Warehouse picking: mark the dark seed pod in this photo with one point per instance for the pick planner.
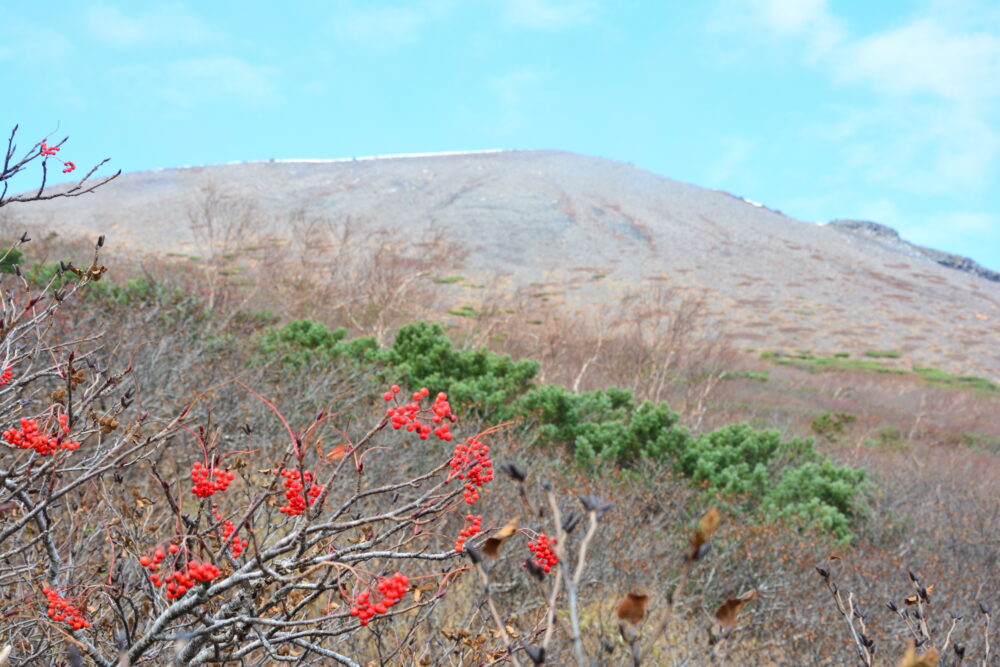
(534, 570)
(959, 650)
(594, 504)
(570, 522)
(891, 606)
(823, 573)
(984, 607)
(536, 653)
(473, 554)
(516, 472)
(914, 578)
(100, 241)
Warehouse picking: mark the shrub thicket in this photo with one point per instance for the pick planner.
(760, 474)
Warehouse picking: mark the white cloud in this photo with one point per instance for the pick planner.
(512, 91)
(931, 113)
(925, 57)
(381, 27)
(549, 14)
(161, 24)
(188, 83)
(792, 16)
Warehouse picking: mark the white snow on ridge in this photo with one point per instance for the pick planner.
(364, 158)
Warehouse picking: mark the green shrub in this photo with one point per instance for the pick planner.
(9, 259)
(744, 464)
(884, 354)
(302, 343)
(604, 425)
(481, 382)
(819, 494)
(830, 425)
(733, 460)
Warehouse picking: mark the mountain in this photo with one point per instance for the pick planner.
(584, 231)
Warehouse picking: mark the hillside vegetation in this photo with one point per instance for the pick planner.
(261, 457)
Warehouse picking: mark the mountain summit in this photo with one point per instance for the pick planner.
(586, 230)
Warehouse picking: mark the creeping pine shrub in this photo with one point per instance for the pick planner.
(820, 494)
(604, 425)
(786, 479)
(142, 290)
(9, 258)
(734, 460)
(770, 478)
(305, 343)
(486, 384)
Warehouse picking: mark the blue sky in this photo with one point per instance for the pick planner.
(887, 111)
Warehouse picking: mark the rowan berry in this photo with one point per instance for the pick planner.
(392, 590)
(475, 523)
(471, 462)
(30, 437)
(208, 481)
(542, 548)
(294, 485)
(62, 611)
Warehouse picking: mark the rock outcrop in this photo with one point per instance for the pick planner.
(888, 236)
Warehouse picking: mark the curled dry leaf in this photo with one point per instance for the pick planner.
(730, 609)
(632, 608)
(707, 526)
(418, 591)
(337, 453)
(493, 544)
(914, 599)
(929, 659)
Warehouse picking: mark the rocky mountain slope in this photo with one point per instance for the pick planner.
(583, 231)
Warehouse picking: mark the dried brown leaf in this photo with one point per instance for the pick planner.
(632, 608)
(707, 526)
(730, 609)
(929, 659)
(914, 599)
(493, 544)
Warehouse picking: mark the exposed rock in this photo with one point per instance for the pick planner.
(890, 237)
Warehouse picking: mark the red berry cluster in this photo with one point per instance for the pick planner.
(5, 376)
(228, 528)
(52, 150)
(207, 482)
(294, 485)
(181, 581)
(408, 415)
(29, 437)
(392, 589)
(545, 557)
(153, 564)
(475, 522)
(471, 462)
(61, 610)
